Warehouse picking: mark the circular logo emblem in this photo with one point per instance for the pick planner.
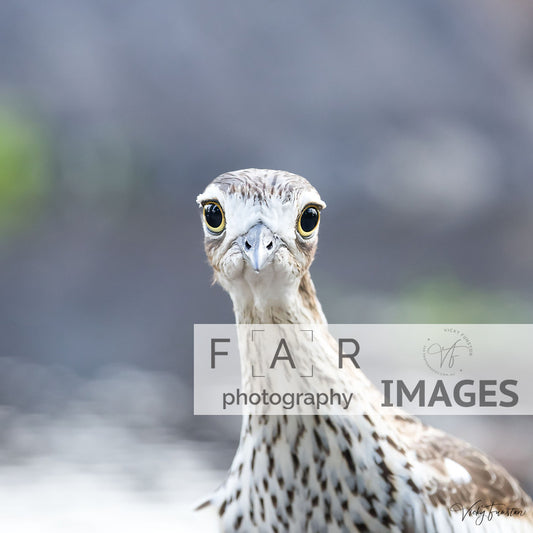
(445, 353)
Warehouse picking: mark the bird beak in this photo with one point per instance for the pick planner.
(258, 246)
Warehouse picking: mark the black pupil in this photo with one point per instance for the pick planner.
(309, 219)
(213, 215)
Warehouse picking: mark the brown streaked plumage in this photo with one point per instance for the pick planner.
(383, 471)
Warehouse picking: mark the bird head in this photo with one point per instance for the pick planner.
(260, 229)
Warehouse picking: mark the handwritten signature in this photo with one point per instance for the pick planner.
(447, 355)
(480, 511)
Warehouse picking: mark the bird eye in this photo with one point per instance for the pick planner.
(308, 221)
(214, 217)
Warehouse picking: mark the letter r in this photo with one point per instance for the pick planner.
(350, 356)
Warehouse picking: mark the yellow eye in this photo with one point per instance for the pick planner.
(308, 221)
(214, 217)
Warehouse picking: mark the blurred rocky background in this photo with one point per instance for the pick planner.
(413, 119)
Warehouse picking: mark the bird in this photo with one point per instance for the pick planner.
(380, 471)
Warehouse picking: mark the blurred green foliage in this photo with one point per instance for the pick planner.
(447, 300)
(24, 170)
(442, 299)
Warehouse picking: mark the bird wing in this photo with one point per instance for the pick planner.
(459, 475)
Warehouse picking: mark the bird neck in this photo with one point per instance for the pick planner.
(297, 304)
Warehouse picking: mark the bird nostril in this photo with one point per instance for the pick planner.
(269, 245)
(247, 245)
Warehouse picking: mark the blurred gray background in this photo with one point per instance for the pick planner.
(415, 122)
